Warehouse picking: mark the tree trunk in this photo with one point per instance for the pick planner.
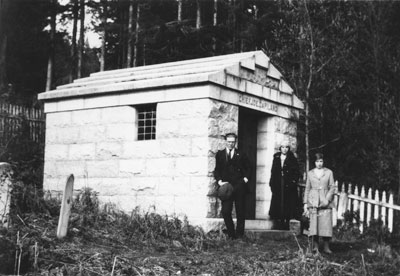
(2, 15)
(232, 23)
(256, 10)
(306, 100)
(3, 75)
(144, 54)
(198, 14)
(123, 38)
(179, 10)
(3, 45)
(215, 23)
(81, 37)
(240, 27)
(398, 172)
(50, 63)
(305, 24)
(130, 36)
(104, 35)
(137, 30)
(72, 73)
(121, 55)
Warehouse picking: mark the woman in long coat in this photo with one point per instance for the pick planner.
(284, 177)
(318, 202)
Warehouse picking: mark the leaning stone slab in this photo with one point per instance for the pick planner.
(5, 193)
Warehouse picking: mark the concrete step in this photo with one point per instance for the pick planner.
(210, 224)
(265, 229)
(257, 229)
(269, 234)
(259, 224)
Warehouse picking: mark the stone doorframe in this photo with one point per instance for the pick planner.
(271, 130)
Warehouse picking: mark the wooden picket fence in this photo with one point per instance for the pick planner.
(367, 203)
(14, 117)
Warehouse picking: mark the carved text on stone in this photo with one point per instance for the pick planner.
(259, 103)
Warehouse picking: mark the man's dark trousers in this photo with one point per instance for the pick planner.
(238, 197)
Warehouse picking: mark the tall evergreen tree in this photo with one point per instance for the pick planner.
(73, 63)
(81, 42)
(130, 35)
(3, 44)
(50, 69)
(104, 7)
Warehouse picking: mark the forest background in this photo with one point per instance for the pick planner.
(342, 59)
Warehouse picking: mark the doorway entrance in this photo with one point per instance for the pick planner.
(247, 143)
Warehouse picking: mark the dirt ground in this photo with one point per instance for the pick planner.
(107, 243)
(93, 251)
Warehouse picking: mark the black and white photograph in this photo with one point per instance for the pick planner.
(199, 137)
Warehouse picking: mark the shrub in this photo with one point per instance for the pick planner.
(376, 232)
(30, 199)
(348, 228)
(86, 205)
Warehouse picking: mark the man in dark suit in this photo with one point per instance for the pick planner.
(233, 167)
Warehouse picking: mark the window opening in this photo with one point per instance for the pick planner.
(147, 122)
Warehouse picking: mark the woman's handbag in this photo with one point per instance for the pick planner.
(304, 222)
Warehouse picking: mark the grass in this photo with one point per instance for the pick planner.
(106, 241)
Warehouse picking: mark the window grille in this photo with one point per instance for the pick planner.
(147, 122)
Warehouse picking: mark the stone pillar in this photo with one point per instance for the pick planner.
(266, 137)
(222, 119)
(271, 131)
(5, 193)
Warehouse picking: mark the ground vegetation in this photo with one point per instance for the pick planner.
(340, 57)
(102, 240)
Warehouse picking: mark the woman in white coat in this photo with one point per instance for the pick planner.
(318, 203)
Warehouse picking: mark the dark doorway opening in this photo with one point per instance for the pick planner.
(247, 142)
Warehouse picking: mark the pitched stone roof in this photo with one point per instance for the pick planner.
(249, 72)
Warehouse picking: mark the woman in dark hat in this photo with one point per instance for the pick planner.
(284, 178)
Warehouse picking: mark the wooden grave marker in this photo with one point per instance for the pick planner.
(66, 205)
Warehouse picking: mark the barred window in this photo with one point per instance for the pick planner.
(147, 122)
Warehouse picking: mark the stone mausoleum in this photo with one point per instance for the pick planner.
(146, 136)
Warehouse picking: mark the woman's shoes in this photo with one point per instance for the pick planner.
(327, 250)
(315, 247)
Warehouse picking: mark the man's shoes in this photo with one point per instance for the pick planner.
(242, 239)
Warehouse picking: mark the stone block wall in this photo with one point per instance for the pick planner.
(182, 131)
(91, 144)
(172, 174)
